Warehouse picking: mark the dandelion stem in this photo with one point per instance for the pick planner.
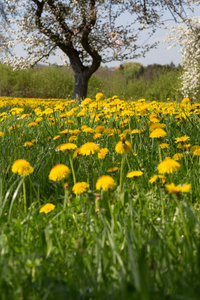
(159, 153)
(65, 197)
(24, 194)
(72, 167)
(121, 174)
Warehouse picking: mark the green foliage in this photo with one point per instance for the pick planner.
(130, 81)
(154, 82)
(40, 82)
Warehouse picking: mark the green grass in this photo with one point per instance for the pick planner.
(140, 243)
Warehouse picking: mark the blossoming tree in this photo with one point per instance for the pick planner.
(187, 35)
(88, 32)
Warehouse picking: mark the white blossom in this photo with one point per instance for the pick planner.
(187, 35)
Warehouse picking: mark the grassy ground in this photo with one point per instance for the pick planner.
(134, 237)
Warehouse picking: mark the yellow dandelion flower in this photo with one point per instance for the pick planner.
(102, 153)
(66, 146)
(157, 133)
(31, 124)
(195, 150)
(97, 135)
(65, 131)
(134, 131)
(75, 131)
(81, 114)
(112, 170)
(168, 165)
(99, 96)
(155, 177)
(99, 128)
(89, 148)
(164, 146)
(177, 156)
(134, 174)
(171, 188)
(185, 146)
(76, 153)
(185, 100)
(123, 147)
(72, 138)
(80, 188)
(70, 121)
(1, 134)
(56, 137)
(86, 101)
(105, 183)
(28, 144)
(181, 139)
(38, 120)
(153, 126)
(88, 130)
(59, 172)
(22, 167)
(48, 207)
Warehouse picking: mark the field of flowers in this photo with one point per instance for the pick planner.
(99, 199)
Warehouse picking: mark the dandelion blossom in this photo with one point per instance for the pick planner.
(195, 150)
(102, 153)
(66, 146)
(164, 146)
(76, 153)
(89, 148)
(59, 172)
(31, 124)
(22, 167)
(28, 144)
(157, 133)
(99, 96)
(112, 170)
(99, 128)
(80, 187)
(155, 177)
(168, 165)
(105, 183)
(134, 174)
(123, 147)
(97, 135)
(177, 156)
(47, 208)
(171, 188)
(181, 139)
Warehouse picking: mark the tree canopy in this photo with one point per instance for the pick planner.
(88, 32)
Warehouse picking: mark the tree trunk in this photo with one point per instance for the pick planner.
(80, 86)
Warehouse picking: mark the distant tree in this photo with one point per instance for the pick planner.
(88, 32)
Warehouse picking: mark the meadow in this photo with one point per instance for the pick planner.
(99, 199)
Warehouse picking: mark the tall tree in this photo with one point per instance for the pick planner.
(3, 20)
(88, 32)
